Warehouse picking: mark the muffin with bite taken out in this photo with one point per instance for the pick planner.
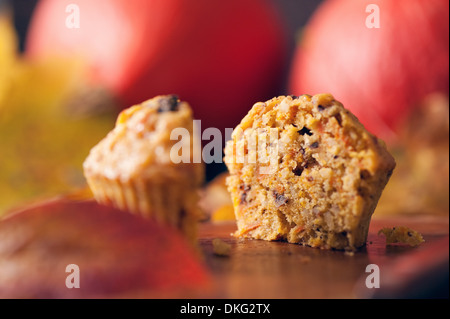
(305, 170)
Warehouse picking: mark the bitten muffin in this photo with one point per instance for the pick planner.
(305, 170)
(145, 165)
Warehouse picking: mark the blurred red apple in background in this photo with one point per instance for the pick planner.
(380, 72)
(118, 255)
(221, 56)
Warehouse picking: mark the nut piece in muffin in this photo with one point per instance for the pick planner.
(305, 170)
(134, 169)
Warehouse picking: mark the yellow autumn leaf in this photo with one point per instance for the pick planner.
(8, 54)
(44, 139)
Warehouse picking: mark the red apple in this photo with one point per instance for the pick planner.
(117, 254)
(380, 71)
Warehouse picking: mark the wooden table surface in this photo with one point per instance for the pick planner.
(261, 269)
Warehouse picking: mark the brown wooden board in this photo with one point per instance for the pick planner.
(262, 269)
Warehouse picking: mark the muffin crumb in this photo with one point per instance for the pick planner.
(401, 235)
(221, 248)
(305, 259)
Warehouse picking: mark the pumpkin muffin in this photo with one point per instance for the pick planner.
(137, 166)
(305, 170)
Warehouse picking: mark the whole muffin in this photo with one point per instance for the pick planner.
(305, 170)
(137, 167)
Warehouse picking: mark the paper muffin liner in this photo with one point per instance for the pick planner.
(167, 202)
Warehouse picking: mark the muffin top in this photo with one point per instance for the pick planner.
(140, 143)
(318, 122)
